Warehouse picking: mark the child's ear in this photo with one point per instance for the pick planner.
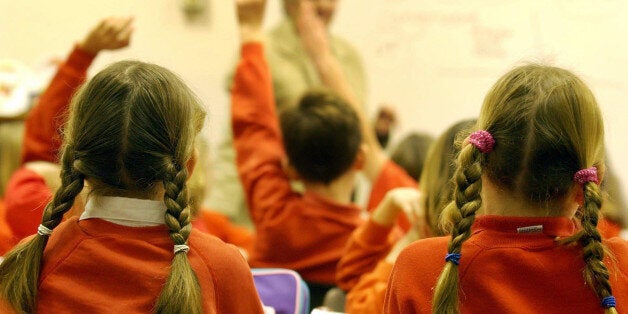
(360, 158)
(289, 170)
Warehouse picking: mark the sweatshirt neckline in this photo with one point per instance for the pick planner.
(549, 226)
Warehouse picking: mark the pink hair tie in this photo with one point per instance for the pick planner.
(586, 175)
(482, 140)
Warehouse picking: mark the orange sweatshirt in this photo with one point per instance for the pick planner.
(306, 233)
(365, 282)
(94, 266)
(362, 270)
(367, 245)
(504, 271)
(608, 228)
(391, 176)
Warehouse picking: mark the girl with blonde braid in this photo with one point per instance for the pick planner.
(130, 139)
(538, 156)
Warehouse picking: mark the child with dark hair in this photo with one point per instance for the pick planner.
(318, 141)
(536, 157)
(129, 141)
(322, 138)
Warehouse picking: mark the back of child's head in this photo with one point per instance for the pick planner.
(411, 152)
(539, 126)
(321, 135)
(131, 129)
(436, 185)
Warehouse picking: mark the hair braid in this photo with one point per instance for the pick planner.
(19, 272)
(178, 211)
(181, 293)
(595, 273)
(72, 182)
(467, 201)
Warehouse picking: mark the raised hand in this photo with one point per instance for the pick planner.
(406, 200)
(110, 34)
(250, 14)
(312, 30)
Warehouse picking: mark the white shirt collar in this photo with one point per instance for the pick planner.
(130, 212)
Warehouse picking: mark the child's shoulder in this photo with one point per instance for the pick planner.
(430, 244)
(212, 248)
(619, 249)
(223, 259)
(431, 251)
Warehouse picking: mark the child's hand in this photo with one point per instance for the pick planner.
(312, 30)
(399, 200)
(110, 34)
(250, 15)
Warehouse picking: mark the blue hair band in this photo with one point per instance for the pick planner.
(609, 302)
(453, 257)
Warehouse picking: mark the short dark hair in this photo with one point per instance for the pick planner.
(321, 135)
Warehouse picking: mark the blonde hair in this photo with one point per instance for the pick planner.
(547, 126)
(197, 183)
(438, 170)
(131, 127)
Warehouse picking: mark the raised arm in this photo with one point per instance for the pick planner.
(256, 134)
(372, 242)
(31, 186)
(315, 41)
(372, 250)
(42, 137)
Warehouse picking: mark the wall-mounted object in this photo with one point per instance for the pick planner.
(193, 7)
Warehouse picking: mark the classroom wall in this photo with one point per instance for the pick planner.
(432, 59)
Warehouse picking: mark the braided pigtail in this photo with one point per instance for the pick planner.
(467, 199)
(596, 274)
(182, 292)
(19, 272)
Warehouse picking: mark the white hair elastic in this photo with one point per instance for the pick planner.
(181, 248)
(43, 231)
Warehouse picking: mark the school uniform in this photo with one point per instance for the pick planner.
(509, 265)
(304, 232)
(608, 228)
(117, 256)
(390, 177)
(292, 73)
(363, 271)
